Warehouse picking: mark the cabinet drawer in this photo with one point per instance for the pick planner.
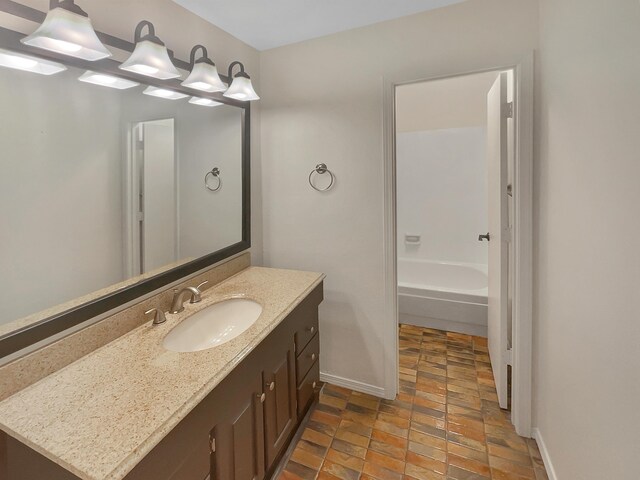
(308, 328)
(307, 358)
(307, 388)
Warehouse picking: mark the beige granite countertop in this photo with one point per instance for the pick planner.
(99, 416)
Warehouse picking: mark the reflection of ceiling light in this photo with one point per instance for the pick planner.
(204, 74)
(241, 88)
(150, 57)
(205, 102)
(19, 61)
(164, 93)
(67, 30)
(107, 80)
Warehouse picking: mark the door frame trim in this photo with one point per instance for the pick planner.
(522, 236)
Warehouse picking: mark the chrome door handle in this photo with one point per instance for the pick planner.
(271, 386)
(486, 237)
(262, 397)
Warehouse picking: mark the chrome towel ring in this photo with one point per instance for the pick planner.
(216, 174)
(321, 169)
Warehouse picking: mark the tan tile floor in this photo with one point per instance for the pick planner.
(445, 424)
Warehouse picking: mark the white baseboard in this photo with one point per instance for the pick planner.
(353, 385)
(551, 473)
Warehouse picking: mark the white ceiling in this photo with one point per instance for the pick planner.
(265, 24)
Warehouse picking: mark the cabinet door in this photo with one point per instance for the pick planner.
(237, 442)
(280, 404)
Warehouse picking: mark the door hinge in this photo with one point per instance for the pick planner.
(509, 110)
(212, 444)
(508, 357)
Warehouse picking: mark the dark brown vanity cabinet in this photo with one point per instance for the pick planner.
(280, 409)
(237, 441)
(239, 431)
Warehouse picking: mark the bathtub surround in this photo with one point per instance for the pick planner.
(441, 167)
(441, 191)
(307, 120)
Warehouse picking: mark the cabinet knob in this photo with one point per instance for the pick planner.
(314, 385)
(313, 356)
(312, 329)
(262, 397)
(271, 386)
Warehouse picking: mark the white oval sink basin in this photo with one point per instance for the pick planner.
(213, 326)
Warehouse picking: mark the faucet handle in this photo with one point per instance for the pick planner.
(195, 296)
(158, 316)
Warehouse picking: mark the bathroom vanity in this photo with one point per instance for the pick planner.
(133, 409)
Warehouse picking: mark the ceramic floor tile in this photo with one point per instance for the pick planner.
(445, 423)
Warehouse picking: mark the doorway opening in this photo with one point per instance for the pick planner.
(154, 205)
(458, 204)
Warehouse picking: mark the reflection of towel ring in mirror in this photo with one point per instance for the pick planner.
(215, 173)
(321, 169)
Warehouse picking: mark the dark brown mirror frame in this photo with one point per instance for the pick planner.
(31, 334)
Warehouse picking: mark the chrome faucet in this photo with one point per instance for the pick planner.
(177, 304)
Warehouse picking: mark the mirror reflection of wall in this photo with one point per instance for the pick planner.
(86, 183)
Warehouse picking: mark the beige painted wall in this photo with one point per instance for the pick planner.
(323, 103)
(180, 30)
(587, 189)
(440, 104)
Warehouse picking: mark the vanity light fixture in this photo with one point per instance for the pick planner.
(107, 80)
(240, 88)
(164, 93)
(204, 102)
(18, 61)
(204, 74)
(67, 30)
(150, 57)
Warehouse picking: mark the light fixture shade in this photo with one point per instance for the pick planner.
(151, 59)
(204, 102)
(68, 33)
(241, 89)
(204, 76)
(18, 61)
(107, 80)
(164, 93)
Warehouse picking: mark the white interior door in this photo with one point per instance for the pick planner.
(159, 211)
(497, 158)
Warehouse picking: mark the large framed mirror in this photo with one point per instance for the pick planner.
(108, 194)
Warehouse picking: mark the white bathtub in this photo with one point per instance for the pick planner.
(446, 296)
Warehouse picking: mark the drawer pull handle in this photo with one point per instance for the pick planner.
(271, 386)
(262, 397)
(313, 356)
(313, 385)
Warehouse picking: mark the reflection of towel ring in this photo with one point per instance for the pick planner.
(321, 169)
(215, 173)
